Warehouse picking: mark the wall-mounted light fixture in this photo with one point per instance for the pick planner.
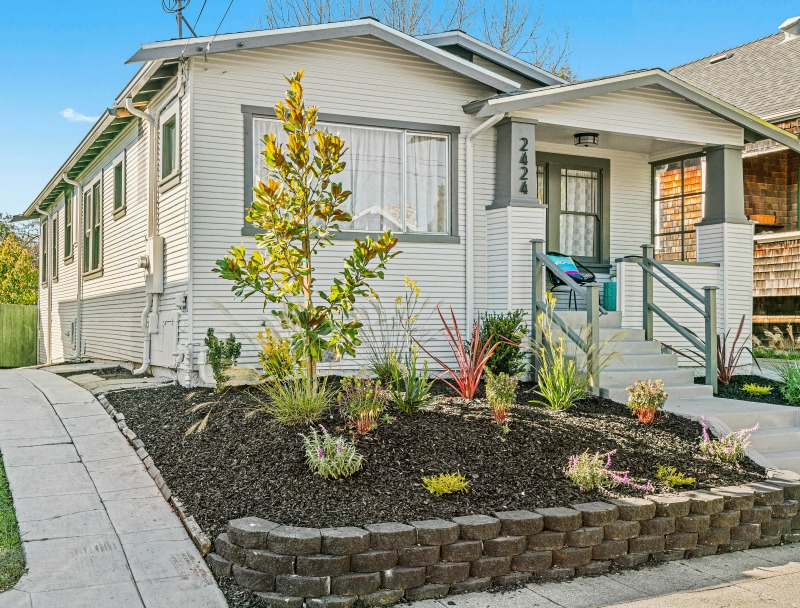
(586, 140)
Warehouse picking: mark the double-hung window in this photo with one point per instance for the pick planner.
(169, 147)
(399, 178)
(68, 224)
(93, 226)
(119, 187)
(44, 249)
(54, 249)
(678, 197)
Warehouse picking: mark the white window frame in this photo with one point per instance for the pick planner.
(69, 214)
(169, 181)
(88, 227)
(54, 248)
(406, 134)
(44, 246)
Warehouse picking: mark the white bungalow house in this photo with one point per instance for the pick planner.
(137, 216)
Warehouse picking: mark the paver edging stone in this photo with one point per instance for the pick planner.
(476, 551)
(193, 529)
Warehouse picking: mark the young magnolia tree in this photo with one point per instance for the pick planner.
(298, 213)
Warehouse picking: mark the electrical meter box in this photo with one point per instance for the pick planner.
(154, 282)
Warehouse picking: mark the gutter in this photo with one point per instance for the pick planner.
(470, 195)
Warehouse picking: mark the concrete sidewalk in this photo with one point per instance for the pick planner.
(95, 529)
(753, 578)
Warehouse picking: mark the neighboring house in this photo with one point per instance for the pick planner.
(763, 78)
(467, 152)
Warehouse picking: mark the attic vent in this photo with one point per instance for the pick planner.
(720, 58)
(790, 28)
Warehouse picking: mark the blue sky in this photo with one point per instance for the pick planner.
(62, 61)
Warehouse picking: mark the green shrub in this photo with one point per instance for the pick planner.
(791, 384)
(277, 359)
(509, 329)
(221, 356)
(361, 401)
(446, 483)
(500, 391)
(410, 386)
(757, 390)
(297, 400)
(671, 477)
(645, 398)
(331, 456)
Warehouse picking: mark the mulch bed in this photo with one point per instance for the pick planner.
(254, 466)
(734, 390)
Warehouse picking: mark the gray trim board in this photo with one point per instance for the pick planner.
(249, 112)
(208, 45)
(755, 128)
(472, 45)
(248, 230)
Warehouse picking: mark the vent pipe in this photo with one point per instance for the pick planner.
(790, 28)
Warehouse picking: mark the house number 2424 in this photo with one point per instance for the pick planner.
(523, 165)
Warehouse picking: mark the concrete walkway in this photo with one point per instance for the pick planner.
(95, 529)
(758, 577)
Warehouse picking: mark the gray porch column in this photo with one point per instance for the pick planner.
(515, 217)
(725, 237)
(724, 186)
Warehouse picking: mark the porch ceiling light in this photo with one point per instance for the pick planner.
(586, 140)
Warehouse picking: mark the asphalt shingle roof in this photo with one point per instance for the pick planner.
(761, 77)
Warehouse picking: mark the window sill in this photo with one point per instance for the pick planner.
(401, 238)
(92, 274)
(169, 182)
(118, 214)
(68, 260)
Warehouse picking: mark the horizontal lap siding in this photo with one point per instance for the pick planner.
(649, 111)
(356, 77)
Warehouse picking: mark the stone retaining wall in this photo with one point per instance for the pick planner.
(379, 564)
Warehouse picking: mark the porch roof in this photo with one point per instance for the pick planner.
(755, 129)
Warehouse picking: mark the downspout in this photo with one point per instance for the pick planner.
(47, 269)
(77, 207)
(470, 236)
(151, 305)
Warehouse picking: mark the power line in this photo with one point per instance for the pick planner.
(208, 48)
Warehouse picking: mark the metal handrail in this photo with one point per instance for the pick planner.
(590, 345)
(708, 311)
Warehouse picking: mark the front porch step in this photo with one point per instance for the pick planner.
(576, 318)
(630, 361)
(611, 335)
(776, 440)
(694, 391)
(787, 459)
(765, 418)
(622, 378)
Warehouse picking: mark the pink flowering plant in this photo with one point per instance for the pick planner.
(594, 472)
(331, 456)
(730, 447)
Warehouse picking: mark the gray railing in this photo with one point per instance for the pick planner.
(705, 304)
(590, 344)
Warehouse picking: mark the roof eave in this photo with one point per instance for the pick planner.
(518, 66)
(176, 49)
(754, 127)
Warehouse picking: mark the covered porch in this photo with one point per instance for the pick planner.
(599, 169)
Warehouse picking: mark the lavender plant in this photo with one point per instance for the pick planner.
(730, 447)
(593, 472)
(331, 456)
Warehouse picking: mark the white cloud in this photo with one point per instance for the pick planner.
(73, 116)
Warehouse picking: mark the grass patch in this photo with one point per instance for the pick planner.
(761, 352)
(12, 560)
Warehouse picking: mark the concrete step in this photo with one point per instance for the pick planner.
(621, 378)
(785, 459)
(766, 418)
(694, 391)
(576, 318)
(654, 362)
(776, 440)
(613, 335)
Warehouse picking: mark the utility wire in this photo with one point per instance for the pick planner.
(208, 47)
(196, 21)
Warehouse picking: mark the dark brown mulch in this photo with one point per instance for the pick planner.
(734, 389)
(254, 466)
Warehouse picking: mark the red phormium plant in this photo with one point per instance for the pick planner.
(727, 361)
(471, 357)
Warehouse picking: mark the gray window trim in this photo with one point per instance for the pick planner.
(250, 112)
(554, 210)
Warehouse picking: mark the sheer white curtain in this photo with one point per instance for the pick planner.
(426, 183)
(375, 168)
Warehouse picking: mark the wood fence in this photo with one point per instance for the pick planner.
(18, 339)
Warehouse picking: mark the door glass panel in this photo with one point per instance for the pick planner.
(580, 203)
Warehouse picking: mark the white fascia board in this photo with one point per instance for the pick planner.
(492, 54)
(755, 128)
(176, 49)
(105, 120)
